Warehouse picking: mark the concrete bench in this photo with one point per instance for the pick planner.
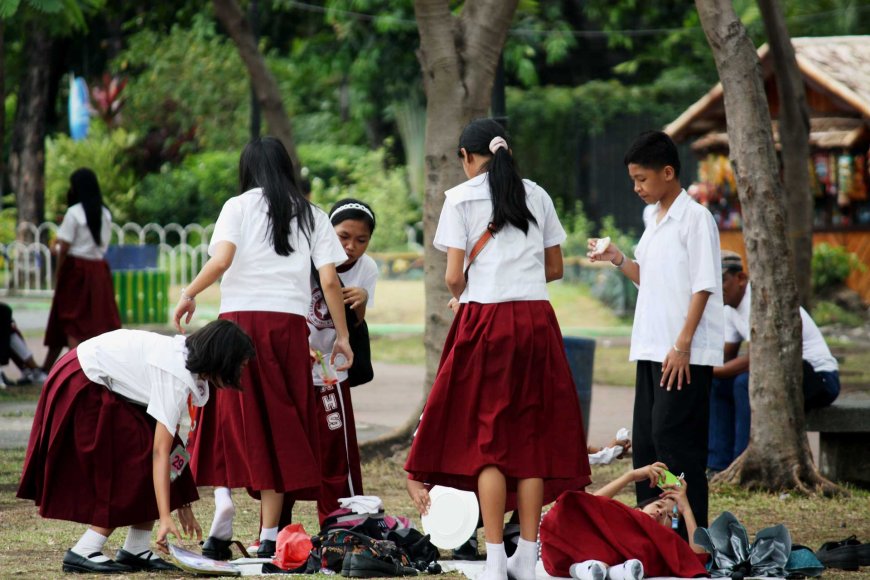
(844, 440)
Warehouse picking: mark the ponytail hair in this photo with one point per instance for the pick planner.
(488, 137)
(265, 164)
(85, 189)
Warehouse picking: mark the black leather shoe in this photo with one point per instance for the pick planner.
(75, 563)
(217, 549)
(144, 561)
(365, 565)
(266, 549)
(467, 551)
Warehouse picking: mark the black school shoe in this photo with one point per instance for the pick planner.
(467, 551)
(266, 549)
(846, 554)
(146, 561)
(217, 549)
(365, 565)
(77, 564)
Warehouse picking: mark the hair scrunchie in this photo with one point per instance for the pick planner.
(496, 144)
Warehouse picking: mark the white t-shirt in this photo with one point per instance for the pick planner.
(511, 266)
(144, 368)
(363, 274)
(74, 230)
(259, 279)
(679, 257)
(814, 349)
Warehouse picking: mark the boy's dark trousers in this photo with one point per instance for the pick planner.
(672, 427)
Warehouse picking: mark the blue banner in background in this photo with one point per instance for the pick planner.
(79, 108)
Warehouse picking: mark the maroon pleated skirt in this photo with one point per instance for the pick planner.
(84, 304)
(584, 527)
(266, 436)
(503, 396)
(89, 459)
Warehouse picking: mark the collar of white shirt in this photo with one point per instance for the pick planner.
(678, 208)
(475, 188)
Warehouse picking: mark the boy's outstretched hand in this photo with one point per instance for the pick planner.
(607, 254)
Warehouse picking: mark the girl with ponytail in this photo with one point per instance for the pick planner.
(503, 417)
(83, 305)
(265, 437)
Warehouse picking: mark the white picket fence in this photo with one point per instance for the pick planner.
(27, 268)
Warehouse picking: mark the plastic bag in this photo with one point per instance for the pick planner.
(292, 548)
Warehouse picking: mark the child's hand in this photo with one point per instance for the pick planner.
(354, 296)
(166, 527)
(342, 346)
(189, 524)
(453, 305)
(187, 307)
(678, 494)
(651, 472)
(419, 495)
(624, 443)
(675, 369)
(608, 254)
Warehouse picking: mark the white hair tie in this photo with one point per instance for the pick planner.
(496, 144)
(348, 206)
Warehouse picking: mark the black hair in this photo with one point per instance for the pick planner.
(505, 184)
(653, 150)
(218, 350)
(85, 189)
(352, 213)
(265, 164)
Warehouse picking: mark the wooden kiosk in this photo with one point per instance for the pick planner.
(836, 72)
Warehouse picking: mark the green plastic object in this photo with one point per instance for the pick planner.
(668, 478)
(142, 296)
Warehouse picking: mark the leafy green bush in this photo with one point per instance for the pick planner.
(826, 313)
(103, 151)
(337, 171)
(832, 265)
(190, 78)
(193, 192)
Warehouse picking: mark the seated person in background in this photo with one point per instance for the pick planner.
(12, 346)
(729, 395)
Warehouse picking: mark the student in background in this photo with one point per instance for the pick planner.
(677, 334)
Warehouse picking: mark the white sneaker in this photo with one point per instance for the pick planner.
(588, 570)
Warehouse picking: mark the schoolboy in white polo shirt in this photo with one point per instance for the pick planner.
(677, 336)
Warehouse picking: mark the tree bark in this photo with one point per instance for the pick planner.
(778, 455)
(794, 139)
(263, 82)
(458, 57)
(27, 155)
(2, 110)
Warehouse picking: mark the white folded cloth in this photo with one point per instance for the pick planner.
(608, 454)
(362, 504)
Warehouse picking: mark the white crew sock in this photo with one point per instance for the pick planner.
(629, 570)
(269, 534)
(138, 541)
(589, 570)
(521, 566)
(89, 543)
(19, 347)
(224, 512)
(496, 563)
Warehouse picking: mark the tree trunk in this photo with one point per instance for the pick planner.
(27, 156)
(2, 111)
(458, 57)
(264, 84)
(778, 455)
(794, 135)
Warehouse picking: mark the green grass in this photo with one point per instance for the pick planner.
(31, 547)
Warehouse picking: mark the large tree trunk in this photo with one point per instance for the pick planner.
(2, 110)
(264, 84)
(779, 454)
(27, 156)
(794, 133)
(458, 57)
